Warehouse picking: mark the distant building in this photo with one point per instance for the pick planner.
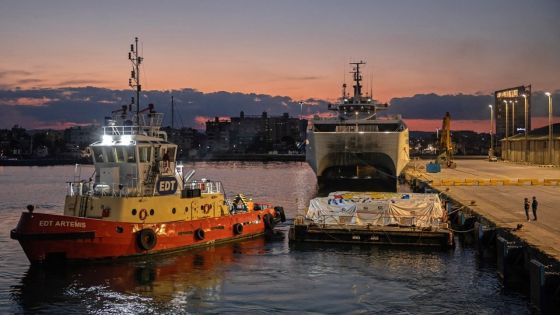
(81, 136)
(255, 134)
(188, 141)
(514, 100)
(539, 147)
(15, 142)
(217, 135)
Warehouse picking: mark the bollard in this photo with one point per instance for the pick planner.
(537, 278)
(544, 288)
(510, 262)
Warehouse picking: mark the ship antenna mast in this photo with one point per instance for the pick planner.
(134, 81)
(357, 79)
(344, 84)
(371, 86)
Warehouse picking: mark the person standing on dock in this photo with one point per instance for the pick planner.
(534, 205)
(526, 204)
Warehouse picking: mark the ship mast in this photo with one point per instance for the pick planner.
(357, 79)
(134, 81)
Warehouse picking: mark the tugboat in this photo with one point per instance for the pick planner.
(139, 201)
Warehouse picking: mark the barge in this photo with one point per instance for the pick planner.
(375, 218)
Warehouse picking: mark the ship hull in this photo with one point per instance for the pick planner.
(370, 160)
(46, 237)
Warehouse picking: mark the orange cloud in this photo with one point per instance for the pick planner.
(27, 101)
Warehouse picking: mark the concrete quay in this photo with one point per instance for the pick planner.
(493, 190)
(491, 195)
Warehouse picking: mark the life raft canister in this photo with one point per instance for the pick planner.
(146, 239)
(237, 228)
(199, 234)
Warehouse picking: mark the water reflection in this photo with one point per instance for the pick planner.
(178, 280)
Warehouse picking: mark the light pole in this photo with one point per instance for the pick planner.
(491, 151)
(526, 127)
(549, 126)
(512, 117)
(507, 127)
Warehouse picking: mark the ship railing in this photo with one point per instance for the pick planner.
(206, 186)
(153, 120)
(84, 188)
(115, 190)
(120, 130)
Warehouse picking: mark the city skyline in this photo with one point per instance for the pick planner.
(299, 50)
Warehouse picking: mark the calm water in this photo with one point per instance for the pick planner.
(254, 276)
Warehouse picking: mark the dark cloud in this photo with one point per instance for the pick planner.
(79, 82)
(7, 73)
(460, 106)
(433, 106)
(91, 104)
(306, 78)
(28, 81)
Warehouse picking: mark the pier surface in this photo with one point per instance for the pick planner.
(496, 190)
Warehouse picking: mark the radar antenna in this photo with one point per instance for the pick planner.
(134, 81)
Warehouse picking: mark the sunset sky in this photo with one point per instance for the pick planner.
(299, 49)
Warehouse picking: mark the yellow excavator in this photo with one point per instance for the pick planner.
(445, 158)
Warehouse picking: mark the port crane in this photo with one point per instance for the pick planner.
(445, 158)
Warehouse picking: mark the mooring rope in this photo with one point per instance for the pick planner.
(465, 231)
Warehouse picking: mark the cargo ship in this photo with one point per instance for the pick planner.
(139, 201)
(356, 148)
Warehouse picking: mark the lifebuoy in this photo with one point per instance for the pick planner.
(143, 214)
(237, 228)
(199, 234)
(280, 213)
(268, 222)
(146, 239)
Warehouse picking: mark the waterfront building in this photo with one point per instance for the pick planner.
(217, 135)
(81, 136)
(534, 148)
(255, 133)
(513, 102)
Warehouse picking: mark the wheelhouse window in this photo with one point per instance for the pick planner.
(170, 154)
(130, 154)
(119, 154)
(98, 155)
(145, 154)
(108, 152)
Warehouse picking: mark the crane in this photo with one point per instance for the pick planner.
(445, 158)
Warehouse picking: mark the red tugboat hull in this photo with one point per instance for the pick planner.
(46, 237)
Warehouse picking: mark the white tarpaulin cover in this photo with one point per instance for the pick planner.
(373, 208)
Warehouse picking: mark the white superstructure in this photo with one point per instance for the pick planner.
(356, 144)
